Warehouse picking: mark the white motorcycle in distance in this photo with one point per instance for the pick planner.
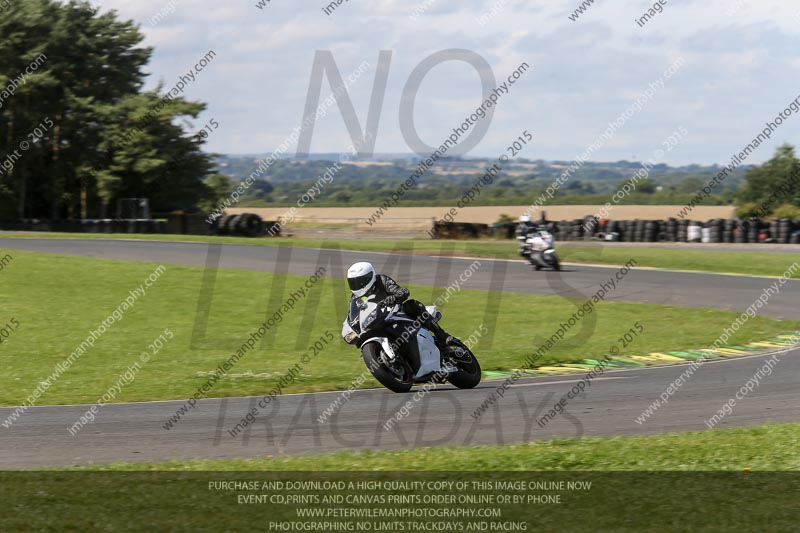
(537, 248)
(400, 353)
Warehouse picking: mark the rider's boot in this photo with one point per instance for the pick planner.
(442, 337)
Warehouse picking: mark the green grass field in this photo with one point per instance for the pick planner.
(734, 262)
(58, 300)
(721, 480)
(769, 447)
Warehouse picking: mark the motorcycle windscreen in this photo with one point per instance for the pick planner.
(353, 313)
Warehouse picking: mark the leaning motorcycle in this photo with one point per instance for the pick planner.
(538, 249)
(400, 352)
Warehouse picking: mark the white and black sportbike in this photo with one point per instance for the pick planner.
(400, 352)
(537, 248)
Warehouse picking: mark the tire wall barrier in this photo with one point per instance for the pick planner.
(243, 225)
(463, 230)
(87, 225)
(751, 230)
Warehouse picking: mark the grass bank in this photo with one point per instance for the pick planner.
(770, 447)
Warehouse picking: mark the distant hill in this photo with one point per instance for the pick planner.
(369, 182)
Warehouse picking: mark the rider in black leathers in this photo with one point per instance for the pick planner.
(387, 291)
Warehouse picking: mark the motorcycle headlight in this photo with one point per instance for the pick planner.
(370, 318)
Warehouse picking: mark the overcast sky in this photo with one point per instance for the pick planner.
(741, 69)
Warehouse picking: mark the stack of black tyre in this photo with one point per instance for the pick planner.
(718, 230)
(781, 230)
(742, 231)
(242, 225)
(615, 226)
(652, 230)
(716, 227)
(682, 229)
(627, 230)
(729, 230)
(578, 229)
(753, 230)
(637, 230)
(794, 237)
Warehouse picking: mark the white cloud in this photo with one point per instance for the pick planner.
(741, 70)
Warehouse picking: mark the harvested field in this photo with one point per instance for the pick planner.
(421, 217)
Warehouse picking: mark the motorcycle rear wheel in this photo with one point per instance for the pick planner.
(469, 371)
(396, 378)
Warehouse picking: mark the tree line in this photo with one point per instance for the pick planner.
(80, 132)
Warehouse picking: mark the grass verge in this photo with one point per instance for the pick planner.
(673, 482)
(768, 447)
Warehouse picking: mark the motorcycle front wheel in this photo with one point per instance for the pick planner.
(396, 377)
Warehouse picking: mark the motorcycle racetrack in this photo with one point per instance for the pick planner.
(612, 403)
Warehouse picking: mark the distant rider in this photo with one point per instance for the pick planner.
(526, 226)
(364, 283)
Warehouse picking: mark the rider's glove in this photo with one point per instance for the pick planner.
(389, 301)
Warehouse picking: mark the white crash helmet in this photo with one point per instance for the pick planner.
(361, 277)
(525, 218)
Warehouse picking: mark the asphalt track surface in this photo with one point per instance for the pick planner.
(290, 425)
(134, 432)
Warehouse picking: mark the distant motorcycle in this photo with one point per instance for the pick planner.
(537, 248)
(400, 353)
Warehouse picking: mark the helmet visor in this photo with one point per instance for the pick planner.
(358, 283)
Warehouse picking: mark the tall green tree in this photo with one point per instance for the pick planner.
(775, 183)
(87, 98)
